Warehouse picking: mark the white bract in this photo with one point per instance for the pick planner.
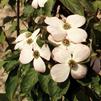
(26, 39)
(69, 61)
(28, 54)
(66, 29)
(40, 3)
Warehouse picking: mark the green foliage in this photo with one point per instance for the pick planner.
(2, 37)
(10, 65)
(28, 81)
(95, 85)
(48, 7)
(74, 6)
(40, 41)
(24, 81)
(13, 26)
(11, 87)
(97, 26)
(2, 62)
(44, 80)
(75, 99)
(52, 88)
(97, 4)
(28, 11)
(4, 2)
(87, 6)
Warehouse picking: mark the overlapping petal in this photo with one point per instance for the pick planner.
(61, 55)
(39, 65)
(52, 41)
(54, 21)
(77, 35)
(80, 52)
(76, 20)
(26, 55)
(60, 72)
(45, 52)
(55, 28)
(79, 72)
(35, 33)
(21, 37)
(58, 34)
(19, 45)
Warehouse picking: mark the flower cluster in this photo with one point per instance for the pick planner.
(30, 50)
(69, 52)
(66, 36)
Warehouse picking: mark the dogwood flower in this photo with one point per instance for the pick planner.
(69, 61)
(69, 28)
(68, 40)
(26, 39)
(36, 54)
(40, 3)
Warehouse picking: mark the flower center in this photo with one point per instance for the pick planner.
(36, 54)
(72, 64)
(29, 41)
(66, 26)
(28, 34)
(66, 42)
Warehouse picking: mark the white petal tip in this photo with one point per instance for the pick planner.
(39, 65)
(79, 72)
(60, 72)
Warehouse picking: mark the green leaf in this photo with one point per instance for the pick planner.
(23, 69)
(97, 26)
(44, 80)
(96, 86)
(10, 65)
(13, 26)
(52, 88)
(11, 87)
(74, 6)
(4, 2)
(2, 37)
(28, 82)
(58, 90)
(75, 99)
(48, 7)
(28, 11)
(40, 41)
(87, 5)
(12, 56)
(2, 62)
(97, 4)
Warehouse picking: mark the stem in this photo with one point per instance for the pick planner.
(18, 17)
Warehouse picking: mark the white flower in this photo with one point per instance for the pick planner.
(69, 61)
(27, 55)
(70, 28)
(26, 39)
(40, 3)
